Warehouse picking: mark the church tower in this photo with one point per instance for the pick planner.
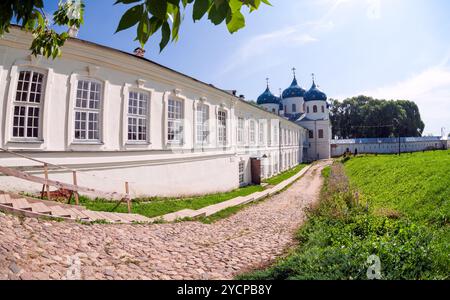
(269, 101)
(317, 120)
(293, 99)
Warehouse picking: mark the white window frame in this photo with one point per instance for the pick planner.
(175, 115)
(37, 65)
(27, 106)
(241, 130)
(261, 131)
(138, 116)
(252, 132)
(88, 111)
(222, 127)
(202, 123)
(241, 169)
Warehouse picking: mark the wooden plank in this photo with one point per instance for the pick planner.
(5, 199)
(58, 184)
(21, 204)
(40, 208)
(58, 211)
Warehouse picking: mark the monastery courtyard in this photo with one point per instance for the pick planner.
(39, 249)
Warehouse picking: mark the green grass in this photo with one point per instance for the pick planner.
(154, 207)
(393, 207)
(285, 175)
(416, 185)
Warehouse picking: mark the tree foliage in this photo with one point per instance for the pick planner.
(148, 16)
(365, 117)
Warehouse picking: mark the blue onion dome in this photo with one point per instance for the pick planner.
(314, 94)
(294, 90)
(267, 98)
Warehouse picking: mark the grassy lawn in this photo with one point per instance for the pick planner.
(394, 207)
(285, 175)
(154, 207)
(160, 206)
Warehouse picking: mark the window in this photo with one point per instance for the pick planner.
(87, 111)
(294, 108)
(314, 108)
(274, 110)
(137, 116)
(311, 134)
(241, 172)
(275, 135)
(222, 126)
(261, 133)
(202, 119)
(175, 121)
(320, 133)
(307, 109)
(28, 105)
(304, 107)
(240, 130)
(252, 132)
(323, 108)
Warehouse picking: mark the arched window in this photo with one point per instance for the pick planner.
(307, 109)
(304, 107)
(28, 105)
(202, 119)
(323, 109)
(87, 110)
(314, 108)
(294, 108)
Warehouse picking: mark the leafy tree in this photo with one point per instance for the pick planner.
(150, 16)
(365, 117)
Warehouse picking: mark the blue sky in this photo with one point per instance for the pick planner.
(383, 48)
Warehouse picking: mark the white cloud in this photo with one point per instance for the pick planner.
(429, 89)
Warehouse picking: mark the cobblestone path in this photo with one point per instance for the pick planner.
(40, 249)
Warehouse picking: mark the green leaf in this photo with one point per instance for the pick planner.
(217, 14)
(157, 8)
(200, 9)
(131, 17)
(235, 22)
(165, 36)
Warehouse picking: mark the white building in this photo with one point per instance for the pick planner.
(310, 110)
(116, 117)
(388, 145)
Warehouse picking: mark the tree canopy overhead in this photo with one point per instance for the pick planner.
(366, 117)
(148, 16)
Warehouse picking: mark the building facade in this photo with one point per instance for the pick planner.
(308, 109)
(115, 117)
(388, 145)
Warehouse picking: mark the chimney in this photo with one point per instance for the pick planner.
(73, 31)
(139, 52)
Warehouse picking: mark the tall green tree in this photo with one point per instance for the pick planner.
(366, 117)
(148, 16)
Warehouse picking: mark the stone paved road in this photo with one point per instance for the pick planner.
(39, 249)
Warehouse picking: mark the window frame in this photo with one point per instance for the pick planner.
(88, 111)
(240, 130)
(180, 120)
(27, 105)
(222, 127)
(146, 117)
(205, 123)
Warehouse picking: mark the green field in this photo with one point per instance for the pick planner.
(394, 207)
(154, 207)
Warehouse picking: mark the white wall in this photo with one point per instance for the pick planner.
(338, 149)
(152, 168)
